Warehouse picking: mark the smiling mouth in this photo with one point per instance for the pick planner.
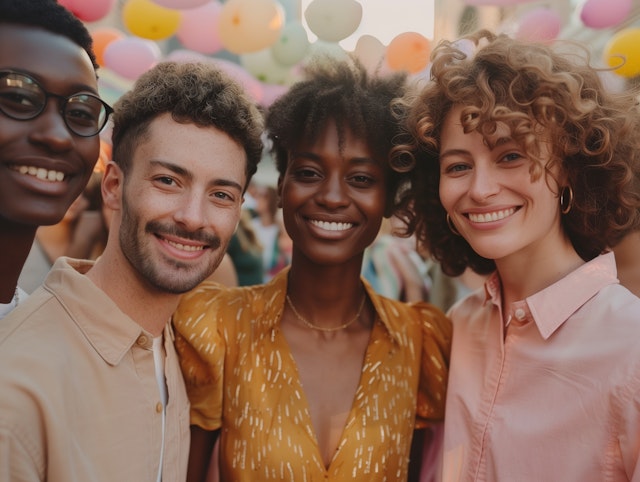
(185, 247)
(331, 226)
(41, 173)
(490, 217)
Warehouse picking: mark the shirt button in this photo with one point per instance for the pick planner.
(159, 407)
(520, 314)
(142, 340)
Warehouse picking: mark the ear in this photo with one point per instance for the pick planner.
(279, 188)
(112, 186)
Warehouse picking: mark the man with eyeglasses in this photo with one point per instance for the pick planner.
(50, 117)
(90, 384)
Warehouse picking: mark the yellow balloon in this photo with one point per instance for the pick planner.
(148, 20)
(622, 52)
(246, 26)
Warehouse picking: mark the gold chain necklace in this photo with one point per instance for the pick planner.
(321, 328)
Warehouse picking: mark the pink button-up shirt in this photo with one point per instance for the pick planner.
(555, 394)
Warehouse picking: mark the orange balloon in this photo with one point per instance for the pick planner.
(408, 51)
(101, 38)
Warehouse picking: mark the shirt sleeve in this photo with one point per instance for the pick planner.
(201, 348)
(436, 350)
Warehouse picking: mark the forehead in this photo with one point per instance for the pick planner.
(207, 152)
(54, 60)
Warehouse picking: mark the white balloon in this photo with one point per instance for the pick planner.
(370, 51)
(292, 45)
(333, 20)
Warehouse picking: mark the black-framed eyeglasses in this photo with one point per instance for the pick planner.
(23, 98)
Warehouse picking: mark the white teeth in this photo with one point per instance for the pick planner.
(327, 226)
(40, 173)
(489, 217)
(184, 247)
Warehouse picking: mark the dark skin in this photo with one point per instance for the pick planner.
(333, 203)
(26, 202)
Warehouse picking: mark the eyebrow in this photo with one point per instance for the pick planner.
(314, 157)
(454, 152)
(181, 171)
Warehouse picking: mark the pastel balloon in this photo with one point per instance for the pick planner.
(370, 52)
(250, 25)
(605, 13)
(333, 20)
(539, 25)
(264, 67)
(180, 4)
(292, 45)
(408, 51)
(320, 48)
(88, 10)
(244, 78)
(145, 19)
(232, 69)
(271, 92)
(130, 57)
(103, 37)
(622, 52)
(198, 29)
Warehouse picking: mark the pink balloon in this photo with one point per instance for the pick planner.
(250, 84)
(89, 10)
(198, 29)
(130, 57)
(180, 4)
(605, 13)
(270, 92)
(539, 25)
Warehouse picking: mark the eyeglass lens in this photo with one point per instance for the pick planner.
(22, 98)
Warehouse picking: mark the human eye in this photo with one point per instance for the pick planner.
(83, 110)
(362, 180)
(455, 168)
(305, 174)
(19, 100)
(164, 180)
(512, 158)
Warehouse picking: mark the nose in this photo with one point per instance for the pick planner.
(51, 130)
(484, 184)
(332, 193)
(190, 212)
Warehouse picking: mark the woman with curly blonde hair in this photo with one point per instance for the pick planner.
(527, 169)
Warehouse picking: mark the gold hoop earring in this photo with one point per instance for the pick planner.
(565, 207)
(452, 227)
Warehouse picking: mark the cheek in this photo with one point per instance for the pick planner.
(89, 150)
(447, 194)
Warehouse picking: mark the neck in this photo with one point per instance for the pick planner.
(325, 295)
(526, 275)
(147, 306)
(15, 244)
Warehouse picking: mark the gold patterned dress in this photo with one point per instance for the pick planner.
(242, 378)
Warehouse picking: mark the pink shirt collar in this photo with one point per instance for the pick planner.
(552, 306)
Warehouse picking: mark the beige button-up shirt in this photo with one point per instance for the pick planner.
(79, 399)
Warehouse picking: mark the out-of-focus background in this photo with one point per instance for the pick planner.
(265, 43)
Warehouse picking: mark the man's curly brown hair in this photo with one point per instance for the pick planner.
(197, 93)
(531, 88)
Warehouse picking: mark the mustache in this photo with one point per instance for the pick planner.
(156, 227)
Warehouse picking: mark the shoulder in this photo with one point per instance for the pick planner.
(424, 316)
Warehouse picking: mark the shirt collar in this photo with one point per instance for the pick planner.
(111, 332)
(552, 306)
